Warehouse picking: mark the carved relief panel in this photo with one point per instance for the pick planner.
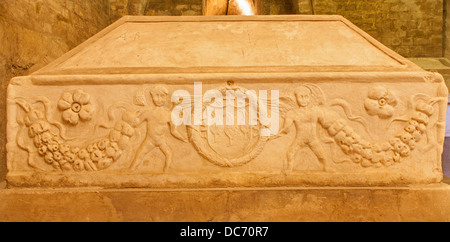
(384, 133)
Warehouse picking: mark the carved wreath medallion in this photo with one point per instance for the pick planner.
(228, 145)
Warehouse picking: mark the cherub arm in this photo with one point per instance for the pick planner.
(174, 131)
(287, 112)
(288, 121)
(141, 116)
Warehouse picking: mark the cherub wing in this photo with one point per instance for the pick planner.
(317, 94)
(286, 104)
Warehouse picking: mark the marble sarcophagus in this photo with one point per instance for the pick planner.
(227, 101)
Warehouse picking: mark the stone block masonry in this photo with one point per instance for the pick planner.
(119, 8)
(413, 28)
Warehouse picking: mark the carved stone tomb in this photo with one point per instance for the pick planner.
(261, 101)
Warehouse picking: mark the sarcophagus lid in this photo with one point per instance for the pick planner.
(227, 101)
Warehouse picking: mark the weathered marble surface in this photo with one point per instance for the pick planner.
(352, 112)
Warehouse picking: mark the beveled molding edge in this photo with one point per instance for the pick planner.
(189, 78)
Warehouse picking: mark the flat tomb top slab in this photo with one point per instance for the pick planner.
(229, 44)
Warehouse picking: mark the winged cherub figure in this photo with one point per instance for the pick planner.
(305, 116)
(158, 119)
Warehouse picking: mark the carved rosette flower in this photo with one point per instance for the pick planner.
(75, 106)
(380, 102)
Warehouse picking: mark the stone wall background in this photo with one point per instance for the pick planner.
(413, 28)
(36, 32)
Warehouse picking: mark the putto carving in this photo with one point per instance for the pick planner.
(305, 116)
(380, 102)
(75, 106)
(158, 120)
